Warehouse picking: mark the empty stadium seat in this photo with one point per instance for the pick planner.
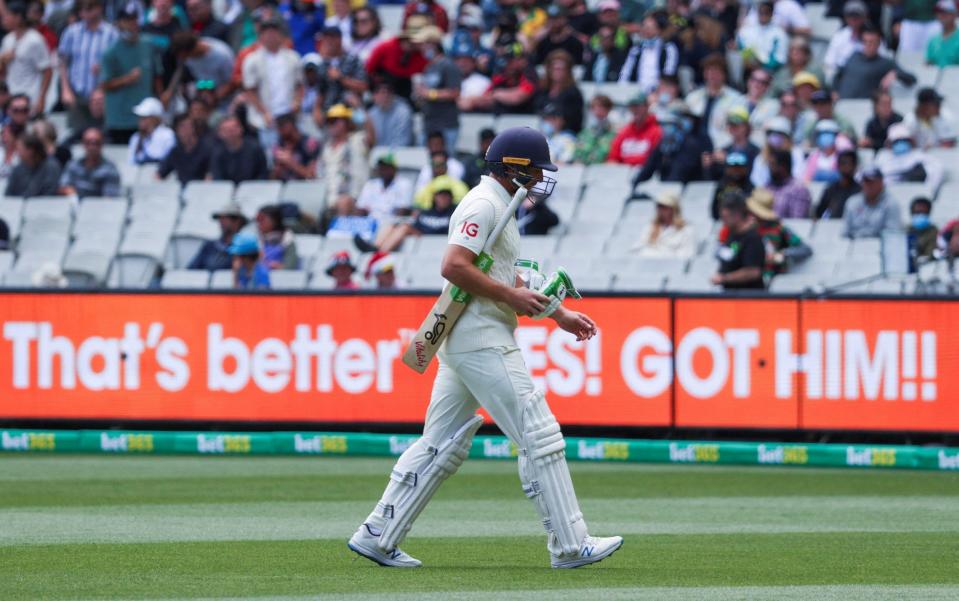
(638, 282)
(253, 194)
(11, 211)
(507, 121)
(160, 190)
(207, 196)
(310, 196)
(186, 279)
(407, 157)
(87, 268)
(282, 279)
(308, 248)
(221, 279)
(471, 124)
(794, 283)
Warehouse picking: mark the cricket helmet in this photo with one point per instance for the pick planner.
(515, 153)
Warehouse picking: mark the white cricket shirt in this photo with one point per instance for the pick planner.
(485, 323)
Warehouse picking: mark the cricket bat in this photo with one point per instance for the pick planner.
(452, 302)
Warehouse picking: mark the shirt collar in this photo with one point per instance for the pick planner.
(498, 188)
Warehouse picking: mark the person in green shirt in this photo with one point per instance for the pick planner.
(129, 73)
(943, 48)
(592, 144)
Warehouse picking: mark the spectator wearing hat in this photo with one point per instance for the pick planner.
(25, 62)
(712, 101)
(637, 140)
(738, 126)
(207, 59)
(367, 32)
(605, 57)
(778, 138)
(931, 125)
(792, 199)
(153, 140)
(81, 49)
(872, 211)
(787, 14)
(832, 203)
(382, 267)
(386, 196)
(866, 70)
(191, 155)
(272, 81)
(559, 35)
(468, 35)
(390, 118)
(805, 84)
(668, 235)
(438, 89)
(37, 173)
(130, 74)
(423, 197)
(759, 106)
(214, 254)
(398, 59)
(822, 163)
(295, 154)
(847, 40)
(561, 140)
(341, 269)
(823, 105)
(742, 255)
(918, 25)
(734, 177)
(678, 156)
(249, 273)
(558, 88)
(473, 83)
(594, 141)
(783, 247)
(883, 117)
(304, 20)
(341, 76)
(237, 158)
(93, 175)
(903, 161)
(922, 234)
(763, 44)
(652, 57)
(798, 61)
(343, 163)
(205, 24)
(276, 240)
(943, 48)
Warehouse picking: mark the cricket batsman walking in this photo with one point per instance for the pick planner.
(481, 366)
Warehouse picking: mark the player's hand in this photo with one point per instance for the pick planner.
(527, 302)
(576, 323)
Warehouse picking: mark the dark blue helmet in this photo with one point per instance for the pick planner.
(515, 152)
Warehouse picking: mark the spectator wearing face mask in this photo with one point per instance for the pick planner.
(823, 106)
(903, 161)
(832, 203)
(677, 158)
(777, 139)
(877, 128)
(822, 164)
(922, 233)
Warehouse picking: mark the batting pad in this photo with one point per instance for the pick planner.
(546, 480)
(416, 488)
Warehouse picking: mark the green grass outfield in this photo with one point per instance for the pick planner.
(168, 527)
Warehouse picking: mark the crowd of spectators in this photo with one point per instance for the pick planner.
(728, 91)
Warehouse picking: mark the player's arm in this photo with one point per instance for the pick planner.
(574, 322)
(459, 270)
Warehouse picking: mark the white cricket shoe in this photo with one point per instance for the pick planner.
(363, 542)
(593, 549)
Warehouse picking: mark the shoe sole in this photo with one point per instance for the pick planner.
(362, 552)
(589, 561)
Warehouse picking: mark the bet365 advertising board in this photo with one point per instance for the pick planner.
(738, 363)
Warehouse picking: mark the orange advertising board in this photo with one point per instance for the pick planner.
(299, 359)
(726, 363)
(882, 365)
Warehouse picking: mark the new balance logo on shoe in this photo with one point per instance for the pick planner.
(586, 552)
(395, 553)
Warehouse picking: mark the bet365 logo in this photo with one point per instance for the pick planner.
(439, 326)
